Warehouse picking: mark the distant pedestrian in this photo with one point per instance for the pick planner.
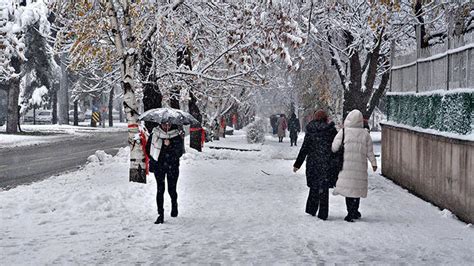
(165, 146)
(223, 126)
(215, 128)
(282, 126)
(294, 128)
(274, 124)
(352, 181)
(234, 121)
(316, 149)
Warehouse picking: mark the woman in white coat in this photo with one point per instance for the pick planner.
(352, 181)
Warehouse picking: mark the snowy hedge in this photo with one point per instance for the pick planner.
(256, 131)
(450, 111)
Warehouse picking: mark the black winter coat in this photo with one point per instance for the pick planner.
(169, 155)
(320, 160)
(294, 125)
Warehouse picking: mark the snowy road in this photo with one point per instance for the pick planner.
(235, 208)
(22, 165)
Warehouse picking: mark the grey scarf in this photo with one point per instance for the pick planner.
(157, 140)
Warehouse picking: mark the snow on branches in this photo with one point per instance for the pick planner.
(14, 22)
(230, 46)
(358, 36)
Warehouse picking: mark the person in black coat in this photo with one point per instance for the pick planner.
(273, 123)
(320, 165)
(164, 147)
(294, 128)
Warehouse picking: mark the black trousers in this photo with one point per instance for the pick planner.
(352, 205)
(318, 198)
(171, 173)
(293, 140)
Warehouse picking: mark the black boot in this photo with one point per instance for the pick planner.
(357, 215)
(174, 210)
(159, 220)
(349, 218)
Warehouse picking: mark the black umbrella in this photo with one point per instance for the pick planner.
(168, 115)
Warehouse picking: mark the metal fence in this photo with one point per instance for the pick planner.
(449, 65)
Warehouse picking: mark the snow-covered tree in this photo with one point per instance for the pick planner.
(439, 19)
(228, 43)
(358, 34)
(15, 21)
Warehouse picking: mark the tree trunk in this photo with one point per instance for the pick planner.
(151, 99)
(76, 117)
(54, 100)
(111, 107)
(137, 156)
(354, 96)
(174, 100)
(418, 9)
(151, 94)
(12, 116)
(195, 137)
(121, 111)
(183, 57)
(63, 97)
(13, 95)
(34, 114)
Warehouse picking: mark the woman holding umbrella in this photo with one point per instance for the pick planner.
(164, 147)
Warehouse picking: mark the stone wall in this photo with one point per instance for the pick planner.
(434, 167)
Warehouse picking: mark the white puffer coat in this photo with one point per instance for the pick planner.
(352, 180)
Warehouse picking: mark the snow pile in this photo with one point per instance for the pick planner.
(100, 157)
(256, 131)
(447, 214)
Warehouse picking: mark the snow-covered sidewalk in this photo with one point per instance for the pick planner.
(234, 208)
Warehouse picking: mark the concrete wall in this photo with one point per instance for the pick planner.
(436, 168)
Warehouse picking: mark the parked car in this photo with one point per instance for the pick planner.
(115, 115)
(81, 117)
(44, 116)
(28, 117)
(88, 114)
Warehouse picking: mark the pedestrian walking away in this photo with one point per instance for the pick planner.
(282, 126)
(165, 146)
(223, 126)
(215, 128)
(352, 181)
(294, 128)
(274, 124)
(316, 149)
